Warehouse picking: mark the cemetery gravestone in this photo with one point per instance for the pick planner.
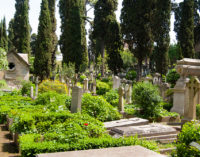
(32, 94)
(121, 99)
(76, 99)
(116, 82)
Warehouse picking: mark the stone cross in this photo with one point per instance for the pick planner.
(76, 99)
(121, 99)
(193, 87)
(32, 94)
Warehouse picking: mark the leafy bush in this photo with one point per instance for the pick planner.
(3, 59)
(198, 111)
(98, 107)
(102, 87)
(30, 144)
(147, 97)
(190, 133)
(112, 97)
(82, 77)
(130, 109)
(52, 100)
(172, 77)
(3, 84)
(131, 75)
(167, 106)
(48, 85)
(26, 87)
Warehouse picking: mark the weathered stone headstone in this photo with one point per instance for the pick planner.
(36, 86)
(157, 79)
(163, 88)
(32, 94)
(129, 94)
(193, 87)
(94, 87)
(116, 82)
(76, 99)
(85, 86)
(121, 99)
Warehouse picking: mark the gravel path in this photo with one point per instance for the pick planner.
(7, 147)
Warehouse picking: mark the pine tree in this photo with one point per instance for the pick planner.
(3, 35)
(42, 62)
(136, 20)
(161, 28)
(11, 35)
(52, 4)
(21, 27)
(103, 11)
(73, 37)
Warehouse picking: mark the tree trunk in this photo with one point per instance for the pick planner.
(102, 57)
(139, 73)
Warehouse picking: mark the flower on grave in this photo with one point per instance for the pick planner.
(86, 124)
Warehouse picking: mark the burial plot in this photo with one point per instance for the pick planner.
(126, 122)
(145, 130)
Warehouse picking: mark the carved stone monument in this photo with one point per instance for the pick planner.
(185, 67)
(193, 87)
(116, 82)
(121, 99)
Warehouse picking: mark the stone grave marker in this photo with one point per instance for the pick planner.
(32, 94)
(193, 87)
(76, 99)
(116, 82)
(126, 122)
(36, 87)
(121, 99)
(85, 86)
(144, 130)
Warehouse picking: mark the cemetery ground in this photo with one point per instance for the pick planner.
(100, 113)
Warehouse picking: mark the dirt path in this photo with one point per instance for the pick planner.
(7, 148)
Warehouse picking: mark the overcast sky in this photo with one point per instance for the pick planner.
(7, 9)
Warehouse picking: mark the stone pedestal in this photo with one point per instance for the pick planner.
(76, 99)
(179, 97)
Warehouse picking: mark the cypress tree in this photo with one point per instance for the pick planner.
(21, 27)
(3, 35)
(114, 45)
(42, 62)
(136, 20)
(73, 37)
(184, 26)
(52, 4)
(161, 27)
(10, 35)
(103, 11)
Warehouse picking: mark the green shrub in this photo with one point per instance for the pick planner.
(56, 86)
(130, 109)
(102, 87)
(82, 77)
(147, 97)
(167, 106)
(131, 75)
(52, 100)
(26, 87)
(172, 77)
(198, 111)
(3, 84)
(98, 107)
(112, 97)
(190, 133)
(30, 144)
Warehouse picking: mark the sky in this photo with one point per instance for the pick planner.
(7, 9)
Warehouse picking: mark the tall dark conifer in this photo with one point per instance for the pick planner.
(21, 27)
(3, 35)
(11, 35)
(42, 62)
(161, 28)
(184, 27)
(136, 21)
(73, 37)
(52, 4)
